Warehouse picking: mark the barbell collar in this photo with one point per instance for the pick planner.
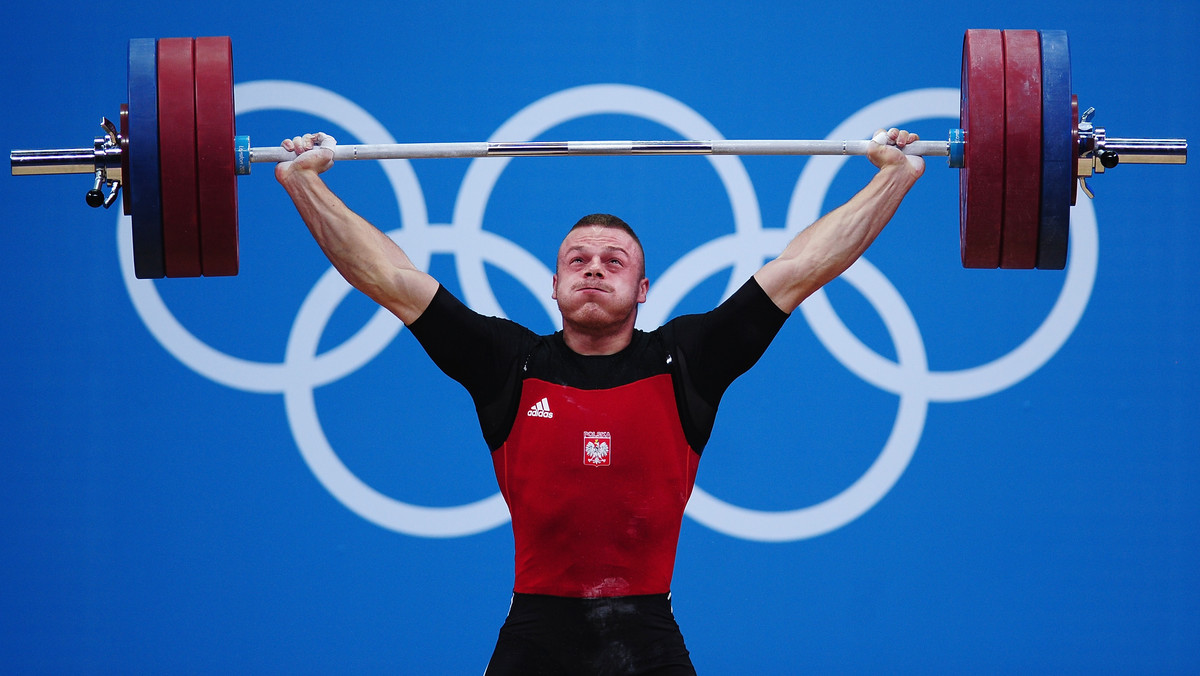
(1098, 151)
(104, 156)
(53, 161)
(1148, 150)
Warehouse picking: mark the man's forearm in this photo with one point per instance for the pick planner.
(824, 250)
(368, 259)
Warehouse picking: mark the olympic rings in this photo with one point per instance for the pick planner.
(302, 369)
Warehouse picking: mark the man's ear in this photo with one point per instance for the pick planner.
(554, 287)
(643, 289)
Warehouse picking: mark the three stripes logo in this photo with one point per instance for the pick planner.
(540, 410)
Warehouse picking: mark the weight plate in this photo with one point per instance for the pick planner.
(214, 148)
(1022, 148)
(981, 180)
(126, 205)
(177, 156)
(1075, 149)
(145, 202)
(1058, 158)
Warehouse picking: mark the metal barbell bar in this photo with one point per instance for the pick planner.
(598, 148)
(86, 161)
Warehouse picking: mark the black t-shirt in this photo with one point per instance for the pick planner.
(704, 353)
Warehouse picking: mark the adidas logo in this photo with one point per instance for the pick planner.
(540, 410)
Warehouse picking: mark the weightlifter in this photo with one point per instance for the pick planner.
(598, 413)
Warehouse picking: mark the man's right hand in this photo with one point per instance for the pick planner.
(887, 149)
(314, 152)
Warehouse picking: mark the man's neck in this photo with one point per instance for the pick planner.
(591, 343)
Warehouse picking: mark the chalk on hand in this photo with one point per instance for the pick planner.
(881, 138)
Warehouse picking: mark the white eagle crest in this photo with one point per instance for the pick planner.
(597, 452)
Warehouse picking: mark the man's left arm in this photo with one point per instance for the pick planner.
(822, 251)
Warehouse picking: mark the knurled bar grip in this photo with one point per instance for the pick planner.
(402, 151)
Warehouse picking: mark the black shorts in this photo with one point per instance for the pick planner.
(546, 635)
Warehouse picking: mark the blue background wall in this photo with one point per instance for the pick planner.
(966, 476)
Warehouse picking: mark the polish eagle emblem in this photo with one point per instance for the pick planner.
(597, 448)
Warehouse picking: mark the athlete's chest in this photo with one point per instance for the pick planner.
(607, 439)
(602, 425)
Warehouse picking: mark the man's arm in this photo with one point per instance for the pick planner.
(824, 250)
(366, 257)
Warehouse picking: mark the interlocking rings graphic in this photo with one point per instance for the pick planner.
(743, 250)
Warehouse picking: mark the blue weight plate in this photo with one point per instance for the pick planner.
(1058, 157)
(145, 198)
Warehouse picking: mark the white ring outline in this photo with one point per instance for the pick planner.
(202, 357)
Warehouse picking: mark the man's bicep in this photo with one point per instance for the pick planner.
(405, 292)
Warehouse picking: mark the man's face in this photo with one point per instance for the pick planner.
(600, 278)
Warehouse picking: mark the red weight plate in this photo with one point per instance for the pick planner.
(177, 156)
(981, 180)
(1022, 148)
(214, 148)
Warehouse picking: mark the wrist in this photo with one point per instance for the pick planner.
(294, 177)
(904, 172)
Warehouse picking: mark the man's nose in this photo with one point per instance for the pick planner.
(593, 268)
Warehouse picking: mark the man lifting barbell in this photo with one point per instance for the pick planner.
(599, 413)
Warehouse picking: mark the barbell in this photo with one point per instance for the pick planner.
(1022, 148)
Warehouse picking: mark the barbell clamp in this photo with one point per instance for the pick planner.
(106, 153)
(1098, 151)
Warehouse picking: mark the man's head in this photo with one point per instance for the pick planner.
(610, 221)
(600, 274)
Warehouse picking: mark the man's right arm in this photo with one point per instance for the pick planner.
(368, 259)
